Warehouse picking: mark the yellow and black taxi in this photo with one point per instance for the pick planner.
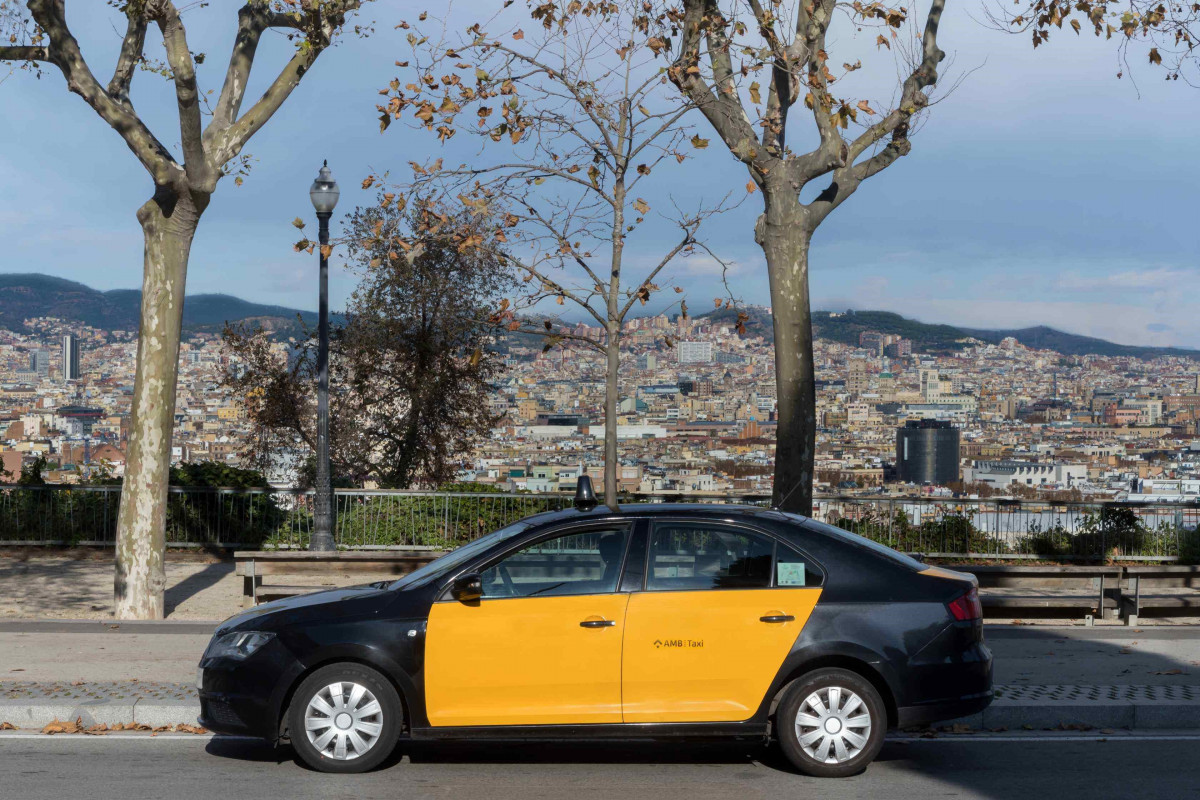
(654, 621)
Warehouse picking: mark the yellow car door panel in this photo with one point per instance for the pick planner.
(707, 655)
(525, 661)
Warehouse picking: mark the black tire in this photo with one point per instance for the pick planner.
(850, 747)
(389, 718)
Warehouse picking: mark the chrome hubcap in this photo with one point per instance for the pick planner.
(833, 725)
(343, 721)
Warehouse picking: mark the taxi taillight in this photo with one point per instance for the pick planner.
(966, 607)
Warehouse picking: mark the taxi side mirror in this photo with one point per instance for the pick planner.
(467, 587)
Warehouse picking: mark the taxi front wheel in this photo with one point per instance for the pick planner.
(831, 723)
(344, 718)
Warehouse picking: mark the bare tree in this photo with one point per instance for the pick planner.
(182, 190)
(718, 52)
(1168, 32)
(584, 118)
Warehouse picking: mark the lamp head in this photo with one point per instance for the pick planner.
(324, 192)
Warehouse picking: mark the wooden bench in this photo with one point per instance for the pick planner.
(253, 565)
(1091, 588)
(1136, 600)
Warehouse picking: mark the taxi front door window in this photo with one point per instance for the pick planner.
(587, 562)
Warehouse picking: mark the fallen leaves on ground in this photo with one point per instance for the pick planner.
(7, 726)
(58, 726)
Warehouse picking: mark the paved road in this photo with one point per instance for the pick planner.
(104, 768)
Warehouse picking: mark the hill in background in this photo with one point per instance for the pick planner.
(27, 295)
(845, 327)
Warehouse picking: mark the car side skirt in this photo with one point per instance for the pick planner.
(615, 731)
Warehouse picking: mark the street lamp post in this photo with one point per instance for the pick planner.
(324, 195)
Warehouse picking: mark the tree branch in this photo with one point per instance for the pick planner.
(187, 96)
(252, 21)
(63, 51)
(573, 337)
(132, 47)
(847, 178)
(684, 242)
(724, 112)
(26, 52)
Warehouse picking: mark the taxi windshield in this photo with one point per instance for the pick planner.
(447, 563)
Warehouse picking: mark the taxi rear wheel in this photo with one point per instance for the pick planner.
(344, 718)
(831, 723)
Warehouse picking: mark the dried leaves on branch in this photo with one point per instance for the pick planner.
(410, 368)
(582, 120)
(1166, 34)
(573, 133)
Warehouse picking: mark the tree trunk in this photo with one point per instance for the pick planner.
(612, 392)
(168, 224)
(784, 236)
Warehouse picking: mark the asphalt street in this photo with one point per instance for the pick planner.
(100, 768)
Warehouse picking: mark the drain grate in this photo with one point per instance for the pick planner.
(101, 691)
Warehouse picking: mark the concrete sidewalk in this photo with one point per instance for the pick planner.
(1046, 677)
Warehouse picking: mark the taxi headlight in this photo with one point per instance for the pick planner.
(239, 644)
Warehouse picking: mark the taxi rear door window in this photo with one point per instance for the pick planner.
(689, 556)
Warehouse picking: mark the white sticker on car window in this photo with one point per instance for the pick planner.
(789, 573)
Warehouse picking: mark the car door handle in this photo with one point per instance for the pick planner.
(777, 618)
(597, 623)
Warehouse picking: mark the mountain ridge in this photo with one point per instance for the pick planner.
(845, 327)
(27, 295)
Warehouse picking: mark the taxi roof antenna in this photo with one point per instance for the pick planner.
(585, 495)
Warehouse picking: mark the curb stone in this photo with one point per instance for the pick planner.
(37, 704)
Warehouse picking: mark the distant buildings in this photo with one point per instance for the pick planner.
(885, 344)
(77, 421)
(39, 362)
(927, 451)
(1004, 474)
(695, 352)
(70, 357)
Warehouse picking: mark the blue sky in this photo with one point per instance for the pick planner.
(1042, 191)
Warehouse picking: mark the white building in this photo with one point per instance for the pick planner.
(1002, 474)
(695, 352)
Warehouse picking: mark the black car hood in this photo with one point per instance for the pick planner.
(268, 615)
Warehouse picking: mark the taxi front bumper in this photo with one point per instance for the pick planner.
(245, 697)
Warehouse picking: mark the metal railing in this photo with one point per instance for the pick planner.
(997, 528)
(273, 518)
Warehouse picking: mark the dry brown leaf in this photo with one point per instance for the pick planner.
(58, 726)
